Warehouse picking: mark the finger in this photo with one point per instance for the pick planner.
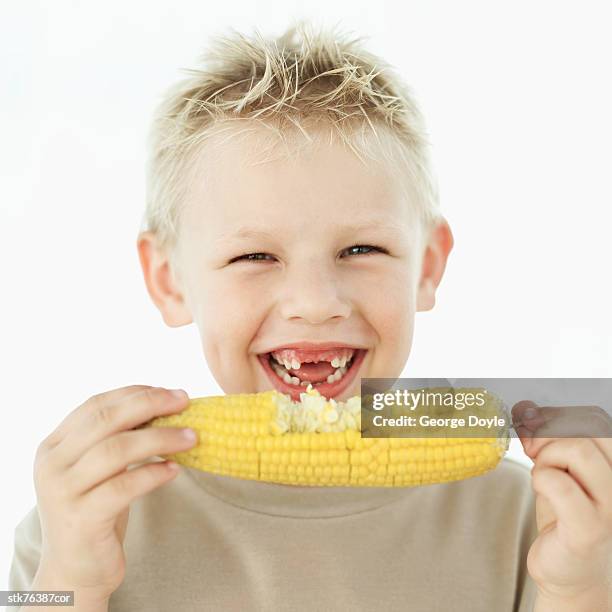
(605, 445)
(107, 500)
(528, 414)
(114, 454)
(563, 422)
(570, 423)
(575, 422)
(108, 419)
(109, 397)
(576, 514)
(585, 462)
(524, 436)
(526, 419)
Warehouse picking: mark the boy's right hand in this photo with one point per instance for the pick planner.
(84, 488)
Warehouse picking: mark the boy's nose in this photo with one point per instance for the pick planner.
(313, 296)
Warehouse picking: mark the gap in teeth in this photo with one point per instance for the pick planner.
(294, 380)
(294, 364)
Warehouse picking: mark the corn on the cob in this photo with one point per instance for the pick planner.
(267, 437)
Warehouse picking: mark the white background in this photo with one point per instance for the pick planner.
(517, 99)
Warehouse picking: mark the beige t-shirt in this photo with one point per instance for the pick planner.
(209, 542)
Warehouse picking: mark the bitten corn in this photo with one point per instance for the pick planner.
(318, 442)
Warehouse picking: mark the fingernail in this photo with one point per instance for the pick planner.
(530, 413)
(189, 434)
(178, 393)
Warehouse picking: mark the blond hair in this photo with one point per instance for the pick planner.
(301, 77)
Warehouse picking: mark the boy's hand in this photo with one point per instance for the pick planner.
(572, 479)
(84, 488)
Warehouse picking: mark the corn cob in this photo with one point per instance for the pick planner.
(318, 442)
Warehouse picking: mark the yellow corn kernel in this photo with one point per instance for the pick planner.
(267, 437)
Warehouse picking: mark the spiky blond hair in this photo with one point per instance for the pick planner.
(303, 77)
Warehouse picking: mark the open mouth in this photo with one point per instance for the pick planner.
(330, 378)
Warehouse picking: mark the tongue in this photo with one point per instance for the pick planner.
(314, 372)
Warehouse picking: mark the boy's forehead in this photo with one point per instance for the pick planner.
(247, 183)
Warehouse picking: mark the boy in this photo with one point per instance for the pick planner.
(291, 207)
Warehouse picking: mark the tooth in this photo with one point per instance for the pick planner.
(287, 363)
(278, 369)
(277, 358)
(342, 362)
(287, 378)
(335, 362)
(337, 375)
(295, 380)
(295, 364)
(304, 383)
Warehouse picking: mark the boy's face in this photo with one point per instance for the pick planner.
(305, 283)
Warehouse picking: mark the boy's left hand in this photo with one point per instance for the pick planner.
(572, 479)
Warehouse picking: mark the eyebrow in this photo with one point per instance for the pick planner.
(248, 232)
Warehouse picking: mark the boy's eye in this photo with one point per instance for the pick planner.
(256, 256)
(367, 246)
(248, 257)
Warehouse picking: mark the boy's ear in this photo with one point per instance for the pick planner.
(439, 245)
(161, 284)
